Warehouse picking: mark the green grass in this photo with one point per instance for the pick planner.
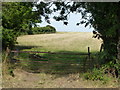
(70, 42)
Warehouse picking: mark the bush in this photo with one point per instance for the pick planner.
(97, 74)
(9, 38)
(43, 30)
(30, 32)
(53, 30)
(111, 67)
(104, 73)
(94, 75)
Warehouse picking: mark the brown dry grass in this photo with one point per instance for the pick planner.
(77, 41)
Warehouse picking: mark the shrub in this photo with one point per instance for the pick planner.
(9, 38)
(97, 74)
(42, 30)
(30, 32)
(104, 73)
(94, 75)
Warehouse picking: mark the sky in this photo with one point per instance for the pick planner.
(71, 27)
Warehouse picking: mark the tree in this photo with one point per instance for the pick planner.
(13, 16)
(16, 18)
(105, 21)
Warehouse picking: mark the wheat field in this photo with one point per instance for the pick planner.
(65, 41)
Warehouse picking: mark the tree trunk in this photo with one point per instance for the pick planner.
(118, 46)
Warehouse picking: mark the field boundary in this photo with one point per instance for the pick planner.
(49, 52)
(12, 53)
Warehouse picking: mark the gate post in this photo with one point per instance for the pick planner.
(89, 53)
(7, 53)
(16, 53)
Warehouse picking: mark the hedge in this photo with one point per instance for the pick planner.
(42, 30)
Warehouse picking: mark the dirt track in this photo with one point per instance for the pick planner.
(25, 79)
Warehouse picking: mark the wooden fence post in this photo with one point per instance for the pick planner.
(89, 53)
(6, 60)
(101, 48)
(86, 61)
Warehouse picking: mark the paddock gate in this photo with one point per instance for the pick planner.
(56, 61)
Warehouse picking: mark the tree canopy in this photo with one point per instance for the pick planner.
(16, 17)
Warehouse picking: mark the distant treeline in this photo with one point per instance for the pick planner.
(42, 30)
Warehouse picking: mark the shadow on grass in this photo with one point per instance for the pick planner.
(59, 64)
(21, 47)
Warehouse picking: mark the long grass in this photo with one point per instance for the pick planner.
(77, 41)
